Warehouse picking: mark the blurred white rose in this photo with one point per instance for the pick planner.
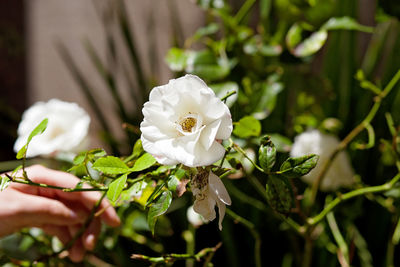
(67, 128)
(183, 122)
(339, 174)
(210, 191)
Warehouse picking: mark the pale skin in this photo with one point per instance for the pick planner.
(58, 213)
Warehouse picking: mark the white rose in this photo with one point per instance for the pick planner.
(66, 131)
(210, 191)
(339, 174)
(183, 122)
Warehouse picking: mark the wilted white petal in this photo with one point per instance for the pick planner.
(219, 189)
(205, 207)
(221, 212)
(182, 121)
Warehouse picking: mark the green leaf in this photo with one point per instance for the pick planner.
(345, 23)
(22, 152)
(144, 162)
(293, 37)
(267, 154)
(111, 165)
(282, 143)
(4, 182)
(267, 100)
(279, 194)
(176, 59)
(158, 208)
(211, 28)
(311, 45)
(115, 188)
(137, 149)
(173, 182)
(296, 167)
(39, 129)
(246, 127)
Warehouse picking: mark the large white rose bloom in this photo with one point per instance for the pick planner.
(339, 174)
(183, 122)
(67, 128)
(210, 191)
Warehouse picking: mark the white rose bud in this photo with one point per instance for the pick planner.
(339, 174)
(67, 128)
(184, 122)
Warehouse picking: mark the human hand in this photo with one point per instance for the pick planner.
(58, 213)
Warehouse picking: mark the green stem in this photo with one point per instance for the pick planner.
(351, 194)
(338, 236)
(241, 151)
(256, 235)
(244, 10)
(168, 258)
(228, 95)
(65, 189)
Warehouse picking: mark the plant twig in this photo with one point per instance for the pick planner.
(169, 258)
(362, 191)
(65, 189)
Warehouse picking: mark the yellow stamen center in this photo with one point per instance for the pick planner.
(187, 124)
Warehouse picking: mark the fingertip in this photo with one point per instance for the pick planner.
(111, 218)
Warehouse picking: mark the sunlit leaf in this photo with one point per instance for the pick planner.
(39, 129)
(293, 37)
(115, 188)
(246, 127)
(311, 45)
(144, 162)
(176, 59)
(4, 182)
(111, 165)
(345, 23)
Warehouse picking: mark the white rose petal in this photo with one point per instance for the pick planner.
(67, 128)
(183, 121)
(194, 218)
(339, 174)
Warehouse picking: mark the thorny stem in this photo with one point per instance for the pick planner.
(256, 235)
(359, 128)
(169, 258)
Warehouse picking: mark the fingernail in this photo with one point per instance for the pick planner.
(90, 242)
(74, 215)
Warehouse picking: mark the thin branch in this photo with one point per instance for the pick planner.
(168, 258)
